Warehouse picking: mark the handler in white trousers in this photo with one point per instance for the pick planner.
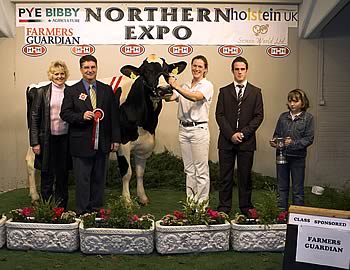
(194, 98)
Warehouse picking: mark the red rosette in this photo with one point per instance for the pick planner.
(98, 116)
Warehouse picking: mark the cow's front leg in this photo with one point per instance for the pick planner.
(32, 174)
(140, 165)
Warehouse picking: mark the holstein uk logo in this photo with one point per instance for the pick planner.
(180, 50)
(80, 50)
(132, 49)
(278, 51)
(34, 50)
(230, 50)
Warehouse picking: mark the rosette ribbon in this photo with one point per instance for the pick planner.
(99, 114)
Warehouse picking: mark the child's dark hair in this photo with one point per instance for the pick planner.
(296, 95)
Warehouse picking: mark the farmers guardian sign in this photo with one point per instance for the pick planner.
(200, 24)
(322, 240)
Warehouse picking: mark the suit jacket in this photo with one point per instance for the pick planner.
(251, 116)
(75, 103)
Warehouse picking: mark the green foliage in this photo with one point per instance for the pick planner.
(43, 212)
(121, 211)
(113, 174)
(263, 182)
(165, 170)
(194, 212)
(120, 214)
(267, 207)
(214, 172)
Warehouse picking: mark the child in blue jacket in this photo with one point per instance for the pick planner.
(296, 127)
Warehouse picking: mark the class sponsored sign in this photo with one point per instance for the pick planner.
(322, 240)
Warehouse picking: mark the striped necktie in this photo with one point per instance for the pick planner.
(239, 99)
(92, 96)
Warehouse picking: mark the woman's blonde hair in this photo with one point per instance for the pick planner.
(57, 65)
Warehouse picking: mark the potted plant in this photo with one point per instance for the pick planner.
(117, 230)
(265, 231)
(194, 229)
(2, 231)
(42, 227)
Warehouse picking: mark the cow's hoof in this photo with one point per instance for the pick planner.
(35, 198)
(143, 202)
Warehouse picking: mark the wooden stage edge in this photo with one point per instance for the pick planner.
(319, 211)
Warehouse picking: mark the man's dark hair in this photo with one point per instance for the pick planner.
(87, 58)
(239, 59)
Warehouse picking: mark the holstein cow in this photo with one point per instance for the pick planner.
(139, 116)
(139, 110)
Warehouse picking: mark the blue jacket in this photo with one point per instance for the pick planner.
(301, 130)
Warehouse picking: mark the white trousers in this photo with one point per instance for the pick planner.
(194, 143)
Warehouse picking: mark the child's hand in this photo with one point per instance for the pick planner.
(287, 141)
(273, 142)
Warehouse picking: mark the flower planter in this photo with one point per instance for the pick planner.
(258, 237)
(42, 236)
(2, 231)
(196, 238)
(116, 241)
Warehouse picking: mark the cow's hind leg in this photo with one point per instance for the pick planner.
(125, 169)
(33, 175)
(140, 165)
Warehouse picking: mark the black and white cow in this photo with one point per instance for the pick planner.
(139, 116)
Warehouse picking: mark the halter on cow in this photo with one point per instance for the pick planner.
(139, 117)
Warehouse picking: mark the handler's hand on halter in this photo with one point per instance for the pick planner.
(36, 149)
(114, 147)
(172, 81)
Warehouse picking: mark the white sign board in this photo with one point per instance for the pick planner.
(125, 23)
(322, 240)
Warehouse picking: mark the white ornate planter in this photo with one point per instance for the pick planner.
(197, 238)
(258, 237)
(2, 231)
(42, 236)
(116, 241)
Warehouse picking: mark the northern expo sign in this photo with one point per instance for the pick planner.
(198, 24)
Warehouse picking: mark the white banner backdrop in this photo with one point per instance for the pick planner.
(198, 24)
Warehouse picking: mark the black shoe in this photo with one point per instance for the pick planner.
(223, 209)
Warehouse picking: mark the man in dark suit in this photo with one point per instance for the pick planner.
(239, 113)
(91, 109)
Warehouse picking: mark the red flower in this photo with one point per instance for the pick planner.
(213, 214)
(135, 217)
(178, 214)
(282, 217)
(58, 212)
(252, 213)
(105, 214)
(27, 211)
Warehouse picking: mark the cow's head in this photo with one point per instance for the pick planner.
(155, 72)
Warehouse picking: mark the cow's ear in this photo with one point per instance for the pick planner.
(177, 68)
(130, 71)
